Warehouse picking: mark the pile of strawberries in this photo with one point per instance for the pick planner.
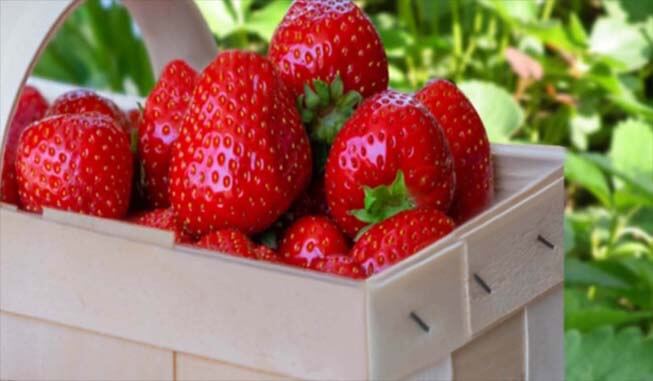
(303, 157)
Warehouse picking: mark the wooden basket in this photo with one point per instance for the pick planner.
(88, 298)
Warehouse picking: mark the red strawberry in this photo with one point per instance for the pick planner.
(469, 146)
(312, 201)
(31, 107)
(164, 111)
(85, 101)
(163, 218)
(229, 241)
(312, 238)
(134, 118)
(242, 156)
(399, 237)
(342, 265)
(390, 156)
(264, 253)
(80, 163)
(333, 47)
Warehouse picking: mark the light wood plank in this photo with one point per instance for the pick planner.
(33, 349)
(443, 371)
(506, 254)
(193, 368)
(545, 320)
(496, 355)
(240, 311)
(436, 291)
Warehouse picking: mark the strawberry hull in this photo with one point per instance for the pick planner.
(127, 302)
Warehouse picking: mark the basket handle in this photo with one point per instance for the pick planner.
(171, 29)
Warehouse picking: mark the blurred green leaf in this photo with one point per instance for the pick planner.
(264, 21)
(555, 33)
(620, 41)
(510, 10)
(501, 115)
(582, 126)
(595, 317)
(582, 171)
(631, 150)
(583, 273)
(632, 10)
(606, 355)
(640, 184)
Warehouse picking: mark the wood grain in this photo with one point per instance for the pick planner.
(496, 355)
(545, 319)
(506, 254)
(33, 349)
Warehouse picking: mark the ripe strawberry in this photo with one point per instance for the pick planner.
(242, 156)
(399, 237)
(134, 117)
(469, 146)
(342, 265)
(229, 241)
(312, 201)
(164, 111)
(333, 47)
(31, 107)
(75, 162)
(85, 101)
(390, 156)
(264, 253)
(162, 218)
(312, 238)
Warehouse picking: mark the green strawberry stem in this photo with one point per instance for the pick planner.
(325, 108)
(385, 201)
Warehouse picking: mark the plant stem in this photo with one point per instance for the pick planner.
(548, 9)
(456, 32)
(471, 47)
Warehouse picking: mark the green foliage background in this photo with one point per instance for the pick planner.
(577, 73)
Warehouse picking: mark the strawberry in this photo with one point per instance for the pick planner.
(31, 107)
(390, 156)
(312, 201)
(229, 241)
(242, 156)
(164, 111)
(162, 218)
(264, 253)
(134, 116)
(84, 101)
(342, 265)
(469, 146)
(329, 52)
(399, 237)
(312, 238)
(75, 162)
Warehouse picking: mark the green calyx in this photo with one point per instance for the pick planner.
(385, 201)
(325, 108)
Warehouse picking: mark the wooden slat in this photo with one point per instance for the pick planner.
(243, 312)
(545, 320)
(506, 255)
(33, 349)
(436, 291)
(443, 371)
(496, 355)
(193, 368)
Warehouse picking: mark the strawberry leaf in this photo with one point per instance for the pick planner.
(606, 355)
(385, 201)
